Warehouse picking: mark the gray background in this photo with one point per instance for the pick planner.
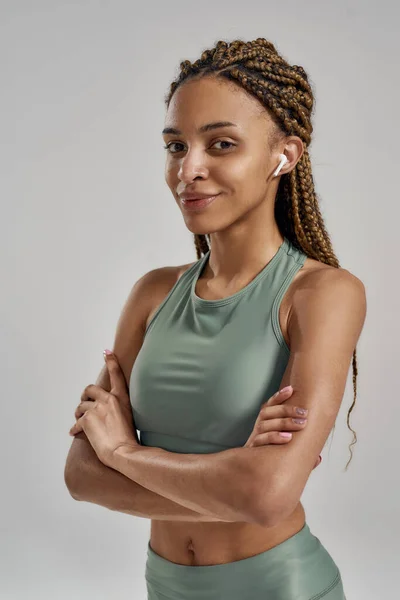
(85, 211)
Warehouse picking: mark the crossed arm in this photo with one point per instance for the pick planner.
(96, 483)
(265, 483)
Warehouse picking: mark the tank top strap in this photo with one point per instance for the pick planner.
(296, 259)
(179, 290)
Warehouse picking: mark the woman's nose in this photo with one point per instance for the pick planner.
(192, 166)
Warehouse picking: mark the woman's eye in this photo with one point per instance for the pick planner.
(168, 146)
(224, 142)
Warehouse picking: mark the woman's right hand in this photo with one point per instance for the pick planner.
(273, 418)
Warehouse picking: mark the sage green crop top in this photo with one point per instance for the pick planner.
(206, 366)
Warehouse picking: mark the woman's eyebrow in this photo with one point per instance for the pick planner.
(202, 129)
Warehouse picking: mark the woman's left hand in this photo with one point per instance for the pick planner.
(106, 417)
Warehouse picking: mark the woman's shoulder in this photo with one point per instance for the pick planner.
(167, 276)
(183, 268)
(320, 273)
(320, 283)
(160, 282)
(316, 280)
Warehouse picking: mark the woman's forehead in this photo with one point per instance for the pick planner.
(195, 107)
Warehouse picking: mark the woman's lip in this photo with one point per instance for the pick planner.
(198, 204)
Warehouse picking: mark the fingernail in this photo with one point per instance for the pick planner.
(285, 389)
(285, 434)
(302, 411)
(106, 352)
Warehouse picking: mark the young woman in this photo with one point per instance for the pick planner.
(265, 306)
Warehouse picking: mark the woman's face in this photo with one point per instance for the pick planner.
(234, 162)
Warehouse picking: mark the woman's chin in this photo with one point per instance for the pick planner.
(197, 230)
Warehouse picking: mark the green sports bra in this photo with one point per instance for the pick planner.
(206, 366)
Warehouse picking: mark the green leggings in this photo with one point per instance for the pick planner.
(300, 568)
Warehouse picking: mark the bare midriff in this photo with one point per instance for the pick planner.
(213, 543)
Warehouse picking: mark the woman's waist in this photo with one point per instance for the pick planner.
(210, 543)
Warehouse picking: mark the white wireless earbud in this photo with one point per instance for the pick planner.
(284, 160)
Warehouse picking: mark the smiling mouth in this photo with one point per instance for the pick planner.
(198, 204)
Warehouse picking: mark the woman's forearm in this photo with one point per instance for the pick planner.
(106, 487)
(94, 482)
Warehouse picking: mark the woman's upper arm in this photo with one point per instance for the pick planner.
(147, 292)
(327, 317)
